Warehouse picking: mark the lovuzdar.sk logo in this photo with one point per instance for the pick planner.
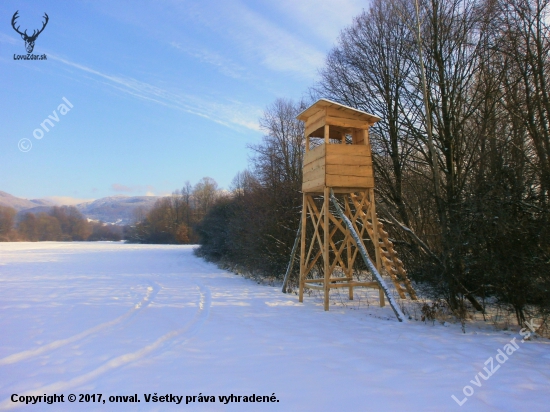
(29, 40)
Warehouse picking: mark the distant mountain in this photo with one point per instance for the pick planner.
(21, 204)
(120, 210)
(33, 210)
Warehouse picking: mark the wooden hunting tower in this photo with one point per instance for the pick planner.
(341, 161)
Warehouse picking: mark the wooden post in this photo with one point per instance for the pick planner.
(366, 137)
(376, 240)
(326, 244)
(376, 236)
(326, 233)
(303, 240)
(303, 248)
(292, 256)
(349, 271)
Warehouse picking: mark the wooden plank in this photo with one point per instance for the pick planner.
(319, 215)
(349, 170)
(314, 175)
(316, 164)
(343, 122)
(348, 189)
(314, 154)
(303, 273)
(337, 259)
(376, 235)
(345, 114)
(313, 261)
(313, 166)
(366, 139)
(310, 286)
(313, 127)
(354, 284)
(348, 181)
(326, 239)
(314, 186)
(320, 280)
(357, 137)
(349, 261)
(322, 103)
(308, 201)
(292, 257)
(334, 159)
(348, 150)
(315, 117)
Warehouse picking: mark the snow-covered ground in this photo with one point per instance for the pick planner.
(116, 319)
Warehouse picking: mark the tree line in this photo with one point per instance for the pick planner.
(461, 155)
(61, 223)
(173, 219)
(255, 227)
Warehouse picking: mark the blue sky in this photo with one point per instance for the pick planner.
(162, 91)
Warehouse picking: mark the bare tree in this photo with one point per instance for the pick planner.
(7, 221)
(205, 193)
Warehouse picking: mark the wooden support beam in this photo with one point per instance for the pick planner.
(310, 283)
(292, 256)
(376, 236)
(312, 286)
(368, 262)
(303, 248)
(326, 240)
(355, 284)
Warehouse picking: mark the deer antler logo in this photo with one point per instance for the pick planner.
(29, 40)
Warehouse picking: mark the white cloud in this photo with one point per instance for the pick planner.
(66, 200)
(8, 39)
(323, 18)
(253, 36)
(278, 49)
(224, 65)
(224, 112)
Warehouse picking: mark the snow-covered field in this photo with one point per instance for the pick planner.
(116, 319)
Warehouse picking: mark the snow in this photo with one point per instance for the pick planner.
(118, 319)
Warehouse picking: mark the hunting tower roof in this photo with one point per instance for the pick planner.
(347, 111)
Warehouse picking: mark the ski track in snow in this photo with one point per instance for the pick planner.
(190, 329)
(70, 324)
(18, 357)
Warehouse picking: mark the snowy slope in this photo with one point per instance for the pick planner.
(119, 210)
(21, 204)
(116, 319)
